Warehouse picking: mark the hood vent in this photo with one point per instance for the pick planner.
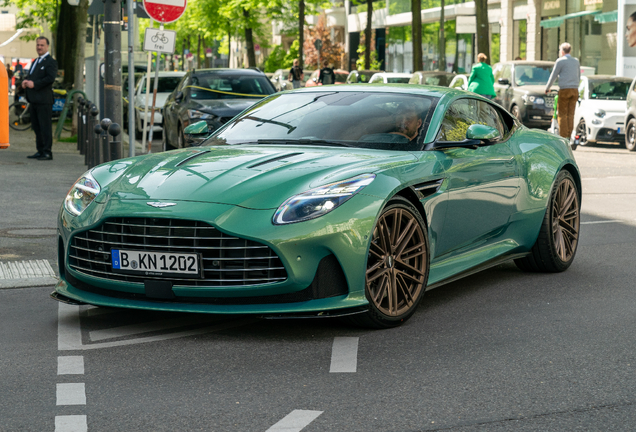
(274, 159)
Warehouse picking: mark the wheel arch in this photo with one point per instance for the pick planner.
(413, 198)
(576, 176)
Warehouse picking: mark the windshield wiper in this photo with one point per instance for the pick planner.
(301, 141)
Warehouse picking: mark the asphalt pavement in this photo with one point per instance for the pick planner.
(501, 350)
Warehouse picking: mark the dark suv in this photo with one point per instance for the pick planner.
(520, 88)
(213, 95)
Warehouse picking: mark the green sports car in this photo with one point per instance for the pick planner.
(331, 201)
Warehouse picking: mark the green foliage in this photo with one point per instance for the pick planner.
(275, 60)
(33, 14)
(374, 64)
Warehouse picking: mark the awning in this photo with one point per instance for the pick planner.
(607, 17)
(558, 21)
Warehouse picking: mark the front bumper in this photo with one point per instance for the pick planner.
(319, 255)
(609, 128)
(538, 115)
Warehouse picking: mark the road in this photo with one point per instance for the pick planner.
(501, 350)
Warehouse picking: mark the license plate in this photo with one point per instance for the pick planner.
(146, 263)
(618, 131)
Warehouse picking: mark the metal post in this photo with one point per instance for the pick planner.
(154, 98)
(114, 130)
(112, 54)
(80, 126)
(90, 133)
(105, 148)
(94, 150)
(131, 79)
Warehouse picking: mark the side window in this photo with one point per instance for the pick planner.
(461, 114)
(497, 71)
(489, 116)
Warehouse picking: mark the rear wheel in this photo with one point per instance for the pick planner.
(165, 144)
(397, 266)
(630, 135)
(19, 116)
(180, 138)
(516, 112)
(558, 238)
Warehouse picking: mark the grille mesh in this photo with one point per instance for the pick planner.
(226, 260)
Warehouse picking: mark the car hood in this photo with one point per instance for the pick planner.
(619, 106)
(224, 107)
(534, 89)
(256, 177)
(160, 102)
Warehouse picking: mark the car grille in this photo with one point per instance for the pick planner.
(549, 101)
(226, 260)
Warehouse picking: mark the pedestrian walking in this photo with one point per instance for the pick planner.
(481, 79)
(327, 75)
(39, 93)
(568, 70)
(296, 74)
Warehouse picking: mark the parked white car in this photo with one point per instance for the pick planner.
(459, 82)
(600, 111)
(390, 78)
(168, 81)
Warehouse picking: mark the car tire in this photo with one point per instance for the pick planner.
(180, 137)
(397, 266)
(165, 144)
(630, 135)
(556, 245)
(516, 112)
(139, 131)
(581, 131)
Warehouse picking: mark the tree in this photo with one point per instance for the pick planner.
(78, 71)
(481, 12)
(330, 52)
(367, 35)
(369, 62)
(416, 28)
(442, 42)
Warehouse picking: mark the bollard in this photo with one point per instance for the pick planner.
(91, 139)
(114, 130)
(94, 148)
(104, 150)
(80, 129)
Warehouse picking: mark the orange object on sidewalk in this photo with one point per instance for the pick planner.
(4, 107)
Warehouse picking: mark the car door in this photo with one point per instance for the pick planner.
(170, 111)
(507, 90)
(482, 183)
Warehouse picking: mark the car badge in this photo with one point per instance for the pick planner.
(161, 204)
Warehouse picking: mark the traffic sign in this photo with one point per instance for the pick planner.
(165, 11)
(159, 40)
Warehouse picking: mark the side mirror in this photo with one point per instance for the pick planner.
(178, 97)
(482, 133)
(196, 133)
(503, 81)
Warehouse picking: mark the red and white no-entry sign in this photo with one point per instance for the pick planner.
(165, 11)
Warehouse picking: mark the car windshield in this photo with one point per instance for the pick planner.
(608, 89)
(440, 80)
(532, 74)
(398, 80)
(341, 77)
(355, 119)
(165, 85)
(229, 86)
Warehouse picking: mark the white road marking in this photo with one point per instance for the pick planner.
(69, 334)
(71, 394)
(295, 421)
(344, 354)
(601, 222)
(146, 327)
(71, 423)
(15, 274)
(70, 365)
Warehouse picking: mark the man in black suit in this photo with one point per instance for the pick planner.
(39, 92)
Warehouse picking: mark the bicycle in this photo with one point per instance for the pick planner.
(160, 37)
(20, 114)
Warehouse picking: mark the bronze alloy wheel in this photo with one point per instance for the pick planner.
(565, 219)
(558, 237)
(397, 265)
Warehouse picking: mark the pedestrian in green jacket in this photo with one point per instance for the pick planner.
(481, 78)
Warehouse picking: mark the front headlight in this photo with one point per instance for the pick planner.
(81, 194)
(194, 114)
(599, 113)
(533, 99)
(320, 201)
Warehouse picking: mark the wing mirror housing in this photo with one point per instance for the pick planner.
(178, 97)
(196, 133)
(503, 81)
(482, 133)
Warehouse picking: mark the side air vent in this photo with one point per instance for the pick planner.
(274, 159)
(428, 188)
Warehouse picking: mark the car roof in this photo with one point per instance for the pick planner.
(434, 73)
(165, 74)
(423, 90)
(529, 62)
(393, 74)
(608, 77)
(229, 71)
